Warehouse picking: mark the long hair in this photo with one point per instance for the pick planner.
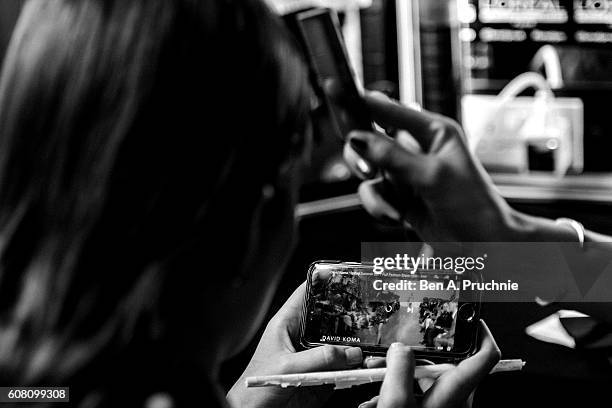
(135, 136)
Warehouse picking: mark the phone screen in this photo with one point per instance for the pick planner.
(358, 307)
(329, 61)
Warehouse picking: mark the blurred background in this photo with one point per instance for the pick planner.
(546, 138)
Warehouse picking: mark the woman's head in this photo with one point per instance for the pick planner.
(146, 151)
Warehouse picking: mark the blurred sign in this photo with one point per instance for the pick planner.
(522, 11)
(593, 11)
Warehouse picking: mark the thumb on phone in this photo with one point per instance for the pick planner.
(397, 388)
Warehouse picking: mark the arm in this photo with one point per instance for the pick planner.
(596, 245)
(433, 182)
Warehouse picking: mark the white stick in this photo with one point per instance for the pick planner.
(348, 378)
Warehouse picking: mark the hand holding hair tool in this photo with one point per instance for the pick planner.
(349, 378)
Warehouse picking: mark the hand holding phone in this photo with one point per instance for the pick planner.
(276, 354)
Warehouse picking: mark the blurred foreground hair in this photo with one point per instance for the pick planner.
(135, 137)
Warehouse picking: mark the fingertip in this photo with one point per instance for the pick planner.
(355, 162)
(488, 345)
(353, 356)
(487, 336)
(369, 404)
(400, 346)
(377, 95)
(364, 167)
(397, 387)
(401, 351)
(375, 362)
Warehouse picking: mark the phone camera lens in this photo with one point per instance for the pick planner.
(466, 312)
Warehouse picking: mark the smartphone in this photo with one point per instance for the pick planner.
(319, 32)
(348, 304)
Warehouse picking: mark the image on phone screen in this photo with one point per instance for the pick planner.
(353, 307)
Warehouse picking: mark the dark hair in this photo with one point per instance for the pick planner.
(135, 136)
